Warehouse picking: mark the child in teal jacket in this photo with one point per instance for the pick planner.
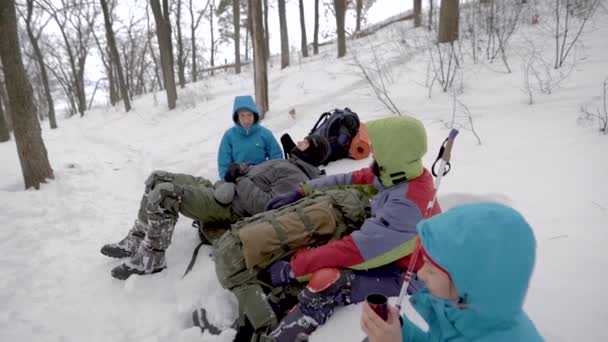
(247, 141)
(478, 260)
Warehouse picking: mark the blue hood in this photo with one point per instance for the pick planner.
(244, 102)
(489, 250)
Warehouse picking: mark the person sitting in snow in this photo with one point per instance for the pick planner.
(478, 260)
(373, 258)
(247, 141)
(168, 194)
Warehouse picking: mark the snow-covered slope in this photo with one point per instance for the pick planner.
(56, 286)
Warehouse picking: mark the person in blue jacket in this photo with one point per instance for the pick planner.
(478, 260)
(246, 142)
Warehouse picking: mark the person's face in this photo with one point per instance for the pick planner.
(302, 145)
(246, 118)
(437, 282)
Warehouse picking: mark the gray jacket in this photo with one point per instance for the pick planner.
(264, 181)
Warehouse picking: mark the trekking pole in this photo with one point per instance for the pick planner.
(445, 154)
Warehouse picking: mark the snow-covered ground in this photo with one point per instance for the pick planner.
(56, 286)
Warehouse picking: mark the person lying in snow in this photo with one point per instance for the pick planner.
(247, 141)
(478, 260)
(166, 195)
(373, 258)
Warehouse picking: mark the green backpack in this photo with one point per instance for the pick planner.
(254, 243)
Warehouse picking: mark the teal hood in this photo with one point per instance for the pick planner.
(489, 250)
(244, 102)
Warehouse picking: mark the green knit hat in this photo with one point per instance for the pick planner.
(398, 144)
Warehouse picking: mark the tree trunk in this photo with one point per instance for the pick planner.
(236, 14)
(340, 9)
(114, 57)
(266, 32)
(212, 60)
(249, 31)
(41, 65)
(303, 29)
(4, 133)
(30, 147)
(315, 42)
(431, 8)
(181, 62)
(359, 9)
(284, 35)
(448, 21)
(417, 13)
(259, 60)
(7, 108)
(193, 47)
(163, 31)
(154, 59)
(114, 96)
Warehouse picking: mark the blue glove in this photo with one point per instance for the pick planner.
(280, 273)
(284, 199)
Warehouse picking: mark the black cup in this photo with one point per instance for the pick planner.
(378, 303)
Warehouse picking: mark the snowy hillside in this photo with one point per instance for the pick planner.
(540, 158)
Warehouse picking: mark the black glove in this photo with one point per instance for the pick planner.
(234, 171)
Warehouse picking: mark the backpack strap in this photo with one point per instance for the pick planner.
(310, 228)
(323, 116)
(281, 233)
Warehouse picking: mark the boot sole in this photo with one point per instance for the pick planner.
(116, 253)
(123, 272)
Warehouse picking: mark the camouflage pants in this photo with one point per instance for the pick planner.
(169, 194)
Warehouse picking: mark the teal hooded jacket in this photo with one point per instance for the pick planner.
(489, 251)
(251, 145)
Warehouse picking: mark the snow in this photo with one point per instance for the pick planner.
(56, 286)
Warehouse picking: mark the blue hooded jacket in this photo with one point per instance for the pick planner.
(251, 145)
(489, 251)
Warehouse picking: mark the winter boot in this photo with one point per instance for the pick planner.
(327, 288)
(127, 246)
(144, 261)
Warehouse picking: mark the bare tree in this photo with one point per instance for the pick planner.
(33, 157)
(266, 32)
(236, 13)
(315, 42)
(561, 52)
(259, 60)
(80, 16)
(34, 37)
(417, 13)
(181, 59)
(358, 14)
(150, 34)
(104, 53)
(284, 35)
(303, 29)
(115, 58)
(431, 13)
(4, 133)
(448, 21)
(375, 73)
(163, 32)
(214, 41)
(194, 22)
(340, 10)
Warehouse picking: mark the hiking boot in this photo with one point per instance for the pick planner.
(128, 245)
(144, 261)
(296, 326)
